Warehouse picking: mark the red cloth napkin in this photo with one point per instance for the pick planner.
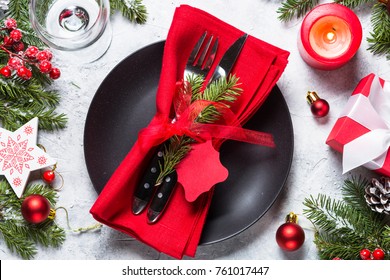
(259, 66)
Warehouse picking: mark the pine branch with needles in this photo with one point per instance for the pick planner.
(224, 92)
(344, 227)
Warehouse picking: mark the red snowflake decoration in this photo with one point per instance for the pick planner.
(17, 182)
(15, 155)
(28, 130)
(42, 160)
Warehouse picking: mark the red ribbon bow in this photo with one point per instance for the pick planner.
(185, 123)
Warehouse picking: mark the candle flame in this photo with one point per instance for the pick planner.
(331, 36)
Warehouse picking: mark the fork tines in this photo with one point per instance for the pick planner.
(204, 48)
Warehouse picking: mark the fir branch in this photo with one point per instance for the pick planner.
(343, 228)
(16, 240)
(379, 39)
(133, 10)
(47, 234)
(329, 248)
(28, 94)
(295, 8)
(20, 236)
(222, 91)
(386, 237)
(13, 116)
(19, 10)
(174, 152)
(43, 190)
(352, 3)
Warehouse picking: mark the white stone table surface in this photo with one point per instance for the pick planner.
(316, 168)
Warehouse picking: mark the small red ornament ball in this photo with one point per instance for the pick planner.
(48, 176)
(319, 107)
(35, 208)
(290, 236)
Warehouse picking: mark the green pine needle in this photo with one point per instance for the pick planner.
(295, 8)
(344, 227)
(379, 39)
(133, 10)
(20, 236)
(222, 91)
(352, 3)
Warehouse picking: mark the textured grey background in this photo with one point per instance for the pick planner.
(315, 169)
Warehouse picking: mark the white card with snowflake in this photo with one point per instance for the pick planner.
(19, 155)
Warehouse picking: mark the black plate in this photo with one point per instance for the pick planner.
(125, 102)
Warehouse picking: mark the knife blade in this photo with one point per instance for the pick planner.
(165, 190)
(228, 60)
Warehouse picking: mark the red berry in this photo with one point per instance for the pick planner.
(10, 23)
(49, 54)
(365, 254)
(8, 41)
(43, 55)
(14, 63)
(45, 66)
(18, 46)
(48, 176)
(16, 35)
(24, 73)
(31, 52)
(378, 254)
(6, 71)
(55, 73)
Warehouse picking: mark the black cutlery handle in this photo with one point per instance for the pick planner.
(146, 187)
(161, 197)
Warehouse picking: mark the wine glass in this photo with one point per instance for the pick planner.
(80, 28)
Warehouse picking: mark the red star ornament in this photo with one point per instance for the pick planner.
(19, 155)
(200, 170)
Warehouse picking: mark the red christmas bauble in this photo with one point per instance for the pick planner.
(290, 236)
(319, 107)
(48, 176)
(35, 208)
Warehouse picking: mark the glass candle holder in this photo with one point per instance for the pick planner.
(79, 28)
(330, 36)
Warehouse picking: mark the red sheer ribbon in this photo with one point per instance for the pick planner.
(184, 123)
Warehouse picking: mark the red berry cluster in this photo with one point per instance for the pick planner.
(21, 59)
(377, 254)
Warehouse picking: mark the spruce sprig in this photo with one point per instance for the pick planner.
(133, 10)
(20, 236)
(223, 91)
(295, 8)
(379, 38)
(344, 227)
(352, 3)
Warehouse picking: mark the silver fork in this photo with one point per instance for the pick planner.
(199, 63)
(202, 56)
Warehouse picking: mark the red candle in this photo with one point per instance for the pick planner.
(330, 36)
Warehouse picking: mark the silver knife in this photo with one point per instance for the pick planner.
(164, 191)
